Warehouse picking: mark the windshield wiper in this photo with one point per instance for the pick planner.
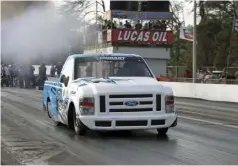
(106, 77)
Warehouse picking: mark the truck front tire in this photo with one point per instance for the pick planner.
(79, 128)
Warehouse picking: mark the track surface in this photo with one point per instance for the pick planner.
(207, 133)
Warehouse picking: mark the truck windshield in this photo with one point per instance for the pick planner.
(111, 66)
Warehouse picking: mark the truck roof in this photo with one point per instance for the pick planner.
(101, 54)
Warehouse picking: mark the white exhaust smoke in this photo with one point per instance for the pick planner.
(39, 33)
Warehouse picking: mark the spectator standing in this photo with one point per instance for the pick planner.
(42, 74)
(14, 75)
(114, 25)
(111, 25)
(11, 75)
(155, 25)
(8, 74)
(3, 75)
(200, 76)
(120, 26)
(52, 71)
(208, 76)
(146, 26)
(30, 75)
(127, 25)
(104, 26)
(163, 25)
(138, 25)
(187, 74)
(59, 68)
(150, 25)
(22, 76)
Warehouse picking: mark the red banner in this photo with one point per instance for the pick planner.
(145, 37)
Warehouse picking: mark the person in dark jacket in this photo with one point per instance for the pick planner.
(59, 67)
(14, 75)
(22, 76)
(30, 75)
(52, 71)
(42, 74)
(3, 76)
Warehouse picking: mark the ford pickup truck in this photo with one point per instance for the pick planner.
(109, 92)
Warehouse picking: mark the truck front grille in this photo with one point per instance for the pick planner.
(131, 96)
(131, 110)
(117, 102)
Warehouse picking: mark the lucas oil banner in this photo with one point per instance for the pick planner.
(144, 37)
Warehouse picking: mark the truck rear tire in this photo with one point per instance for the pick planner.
(163, 131)
(79, 128)
(50, 116)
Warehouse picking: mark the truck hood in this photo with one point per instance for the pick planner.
(119, 85)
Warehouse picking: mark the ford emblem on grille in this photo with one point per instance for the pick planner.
(131, 103)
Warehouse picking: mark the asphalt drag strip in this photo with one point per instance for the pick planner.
(29, 137)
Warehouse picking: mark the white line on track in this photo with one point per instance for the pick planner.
(209, 122)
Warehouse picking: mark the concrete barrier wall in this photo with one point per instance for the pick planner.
(213, 92)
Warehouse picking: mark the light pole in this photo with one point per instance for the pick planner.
(178, 49)
(230, 46)
(195, 42)
(96, 25)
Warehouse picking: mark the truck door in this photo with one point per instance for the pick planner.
(65, 79)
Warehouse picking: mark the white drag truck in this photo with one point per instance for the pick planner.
(109, 92)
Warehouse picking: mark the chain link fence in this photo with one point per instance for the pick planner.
(209, 81)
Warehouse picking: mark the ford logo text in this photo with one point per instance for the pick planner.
(131, 103)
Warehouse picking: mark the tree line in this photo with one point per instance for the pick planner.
(217, 45)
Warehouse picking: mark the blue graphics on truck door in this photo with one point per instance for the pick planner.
(62, 96)
(55, 97)
(51, 93)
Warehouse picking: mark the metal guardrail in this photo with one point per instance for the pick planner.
(209, 81)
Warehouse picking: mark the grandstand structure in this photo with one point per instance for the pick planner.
(138, 27)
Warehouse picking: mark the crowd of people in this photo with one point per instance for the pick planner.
(13, 75)
(208, 76)
(23, 76)
(156, 25)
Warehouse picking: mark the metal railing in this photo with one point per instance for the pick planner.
(99, 46)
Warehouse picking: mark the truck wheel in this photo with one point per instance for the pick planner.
(78, 126)
(50, 116)
(162, 132)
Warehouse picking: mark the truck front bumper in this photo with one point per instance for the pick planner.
(129, 122)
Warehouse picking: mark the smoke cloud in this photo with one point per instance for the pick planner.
(39, 34)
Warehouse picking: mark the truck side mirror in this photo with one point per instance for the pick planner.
(64, 80)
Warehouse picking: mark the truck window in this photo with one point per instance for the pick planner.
(67, 72)
(111, 66)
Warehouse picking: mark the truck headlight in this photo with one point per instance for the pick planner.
(87, 106)
(169, 104)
